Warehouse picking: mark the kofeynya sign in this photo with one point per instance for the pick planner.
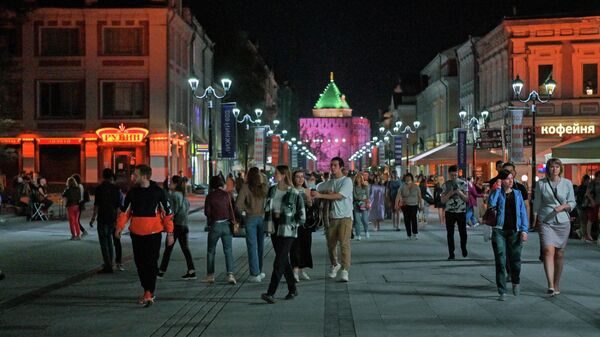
(122, 134)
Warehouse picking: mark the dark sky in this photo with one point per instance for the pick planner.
(368, 44)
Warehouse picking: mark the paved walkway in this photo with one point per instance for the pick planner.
(397, 288)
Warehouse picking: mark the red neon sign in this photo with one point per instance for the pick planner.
(122, 134)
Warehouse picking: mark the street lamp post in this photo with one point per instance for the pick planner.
(475, 123)
(408, 130)
(209, 94)
(247, 120)
(534, 98)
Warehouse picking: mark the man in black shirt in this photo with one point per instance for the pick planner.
(106, 205)
(522, 188)
(499, 164)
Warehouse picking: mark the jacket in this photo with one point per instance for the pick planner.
(498, 199)
(473, 195)
(544, 200)
(246, 201)
(72, 195)
(292, 211)
(216, 206)
(181, 208)
(149, 210)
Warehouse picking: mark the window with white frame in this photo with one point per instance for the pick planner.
(590, 79)
(121, 41)
(544, 74)
(64, 41)
(61, 99)
(123, 99)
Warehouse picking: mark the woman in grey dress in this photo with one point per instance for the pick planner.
(554, 199)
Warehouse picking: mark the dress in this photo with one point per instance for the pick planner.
(377, 202)
(554, 227)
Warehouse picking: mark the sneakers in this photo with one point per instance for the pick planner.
(254, 279)
(333, 270)
(119, 266)
(291, 295)
(304, 275)
(502, 297)
(160, 275)
(465, 253)
(296, 277)
(190, 275)
(358, 238)
(516, 289)
(415, 236)
(208, 279)
(147, 299)
(344, 276)
(262, 276)
(268, 298)
(367, 235)
(231, 279)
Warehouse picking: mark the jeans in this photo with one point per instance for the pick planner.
(507, 244)
(180, 234)
(339, 231)
(410, 219)
(255, 243)
(471, 215)
(219, 230)
(105, 237)
(281, 264)
(360, 218)
(146, 249)
(461, 220)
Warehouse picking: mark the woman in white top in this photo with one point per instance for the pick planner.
(409, 200)
(554, 199)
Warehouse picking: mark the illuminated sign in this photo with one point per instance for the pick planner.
(13, 141)
(59, 141)
(574, 129)
(122, 134)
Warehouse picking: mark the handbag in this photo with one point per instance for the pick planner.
(490, 217)
(236, 229)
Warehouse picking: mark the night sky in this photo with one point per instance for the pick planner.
(367, 44)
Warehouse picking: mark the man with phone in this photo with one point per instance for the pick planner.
(455, 197)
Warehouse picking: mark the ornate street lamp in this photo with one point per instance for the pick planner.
(247, 120)
(475, 123)
(209, 94)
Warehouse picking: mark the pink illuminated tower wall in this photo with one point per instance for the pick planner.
(332, 131)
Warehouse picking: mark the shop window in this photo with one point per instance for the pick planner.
(123, 41)
(590, 79)
(60, 42)
(11, 100)
(64, 99)
(123, 99)
(544, 74)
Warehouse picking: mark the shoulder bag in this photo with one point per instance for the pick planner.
(490, 217)
(236, 229)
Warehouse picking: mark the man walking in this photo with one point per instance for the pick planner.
(147, 206)
(338, 189)
(106, 206)
(455, 197)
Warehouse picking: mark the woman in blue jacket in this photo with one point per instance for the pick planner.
(509, 233)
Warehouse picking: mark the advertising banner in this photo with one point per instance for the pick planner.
(516, 137)
(462, 149)
(381, 153)
(259, 146)
(285, 154)
(398, 150)
(228, 130)
(275, 141)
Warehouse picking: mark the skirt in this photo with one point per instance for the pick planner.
(555, 234)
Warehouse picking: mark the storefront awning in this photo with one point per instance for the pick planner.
(584, 151)
(446, 154)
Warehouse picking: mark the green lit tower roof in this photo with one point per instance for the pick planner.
(332, 98)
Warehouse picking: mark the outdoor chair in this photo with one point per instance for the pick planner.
(37, 212)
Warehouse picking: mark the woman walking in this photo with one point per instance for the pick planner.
(592, 195)
(554, 199)
(377, 199)
(180, 206)
(301, 256)
(361, 206)
(409, 200)
(220, 218)
(82, 202)
(472, 214)
(73, 196)
(509, 233)
(285, 212)
(251, 202)
(438, 181)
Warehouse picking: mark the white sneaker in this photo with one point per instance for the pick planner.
(262, 276)
(367, 235)
(231, 279)
(358, 238)
(304, 275)
(333, 270)
(409, 238)
(344, 276)
(296, 277)
(416, 236)
(254, 279)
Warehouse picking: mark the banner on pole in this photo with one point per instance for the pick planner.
(381, 154)
(516, 137)
(227, 130)
(259, 146)
(294, 156)
(462, 149)
(286, 153)
(398, 150)
(275, 141)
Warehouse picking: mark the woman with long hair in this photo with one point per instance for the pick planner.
(77, 178)
(592, 195)
(251, 203)
(73, 196)
(181, 207)
(361, 206)
(554, 199)
(220, 217)
(285, 212)
(438, 181)
(409, 201)
(301, 256)
(509, 233)
(377, 198)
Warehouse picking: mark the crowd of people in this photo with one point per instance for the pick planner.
(290, 206)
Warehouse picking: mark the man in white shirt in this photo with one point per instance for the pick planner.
(338, 189)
